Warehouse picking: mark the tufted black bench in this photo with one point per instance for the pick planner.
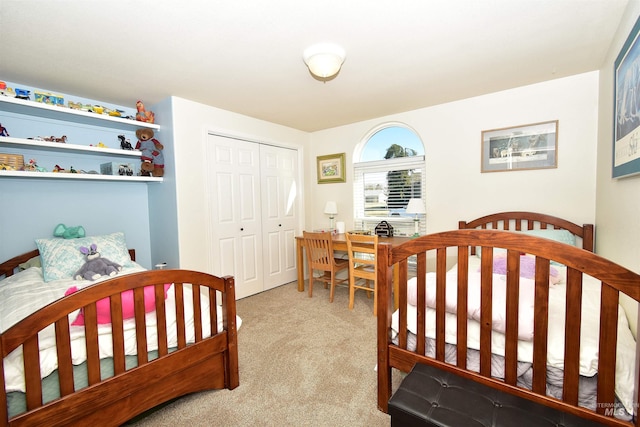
(429, 396)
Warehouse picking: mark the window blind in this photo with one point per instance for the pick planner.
(382, 190)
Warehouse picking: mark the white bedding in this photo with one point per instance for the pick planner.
(625, 363)
(26, 292)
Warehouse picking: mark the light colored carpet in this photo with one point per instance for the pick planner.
(303, 362)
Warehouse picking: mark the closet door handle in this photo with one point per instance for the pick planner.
(241, 228)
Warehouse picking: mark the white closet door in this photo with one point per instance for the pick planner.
(279, 173)
(234, 205)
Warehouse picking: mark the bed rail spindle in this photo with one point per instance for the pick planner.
(117, 334)
(141, 325)
(441, 303)
(421, 307)
(402, 300)
(161, 320)
(197, 310)
(91, 342)
(486, 310)
(573, 318)
(540, 326)
(180, 322)
(63, 351)
(463, 297)
(32, 376)
(213, 313)
(513, 298)
(607, 349)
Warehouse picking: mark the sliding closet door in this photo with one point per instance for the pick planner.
(279, 172)
(234, 205)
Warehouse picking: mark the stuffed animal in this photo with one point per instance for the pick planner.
(96, 267)
(65, 232)
(152, 157)
(143, 115)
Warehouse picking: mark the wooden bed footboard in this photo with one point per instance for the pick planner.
(394, 351)
(208, 361)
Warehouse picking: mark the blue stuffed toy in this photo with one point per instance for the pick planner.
(96, 267)
(65, 232)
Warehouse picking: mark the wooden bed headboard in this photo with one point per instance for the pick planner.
(520, 221)
(9, 267)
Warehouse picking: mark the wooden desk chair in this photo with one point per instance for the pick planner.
(362, 250)
(319, 249)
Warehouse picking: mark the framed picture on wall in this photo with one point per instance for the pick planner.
(331, 168)
(533, 146)
(626, 128)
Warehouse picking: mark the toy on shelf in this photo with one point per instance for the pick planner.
(3, 131)
(32, 166)
(125, 143)
(5, 167)
(99, 145)
(49, 98)
(62, 139)
(143, 115)
(23, 94)
(114, 112)
(152, 157)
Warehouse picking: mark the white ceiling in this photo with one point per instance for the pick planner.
(246, 55)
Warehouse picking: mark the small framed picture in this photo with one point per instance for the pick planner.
(533, 146)
(331, 168)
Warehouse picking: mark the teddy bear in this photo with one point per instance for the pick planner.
(152, 157)
(95, 267)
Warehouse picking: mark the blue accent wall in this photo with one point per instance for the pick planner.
(31, 208)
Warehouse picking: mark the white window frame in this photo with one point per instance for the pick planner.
(403, 225)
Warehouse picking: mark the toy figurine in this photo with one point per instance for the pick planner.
(32, 166)
(143, 115)
(125, 143)
(3, 131)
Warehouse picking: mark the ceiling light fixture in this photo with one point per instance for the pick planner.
(324, 59)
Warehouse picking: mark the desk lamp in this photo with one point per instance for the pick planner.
(331, 209)
(416, 206)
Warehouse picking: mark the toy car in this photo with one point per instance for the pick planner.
(23, 94)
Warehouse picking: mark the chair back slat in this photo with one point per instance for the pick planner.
(362, 250)
(320, 256)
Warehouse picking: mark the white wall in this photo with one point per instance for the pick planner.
(190, 123)
(456, 189)
(618, 200)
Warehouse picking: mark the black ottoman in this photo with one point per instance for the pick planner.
(429, 396)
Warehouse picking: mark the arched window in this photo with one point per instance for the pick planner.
(389, 169)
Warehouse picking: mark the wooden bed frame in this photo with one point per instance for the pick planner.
(208, 363)
(484, 233)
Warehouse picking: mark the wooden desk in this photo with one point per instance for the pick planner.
(339, 244)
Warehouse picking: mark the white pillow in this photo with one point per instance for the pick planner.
(61, 258)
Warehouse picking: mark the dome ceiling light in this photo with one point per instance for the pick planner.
(324, 59)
